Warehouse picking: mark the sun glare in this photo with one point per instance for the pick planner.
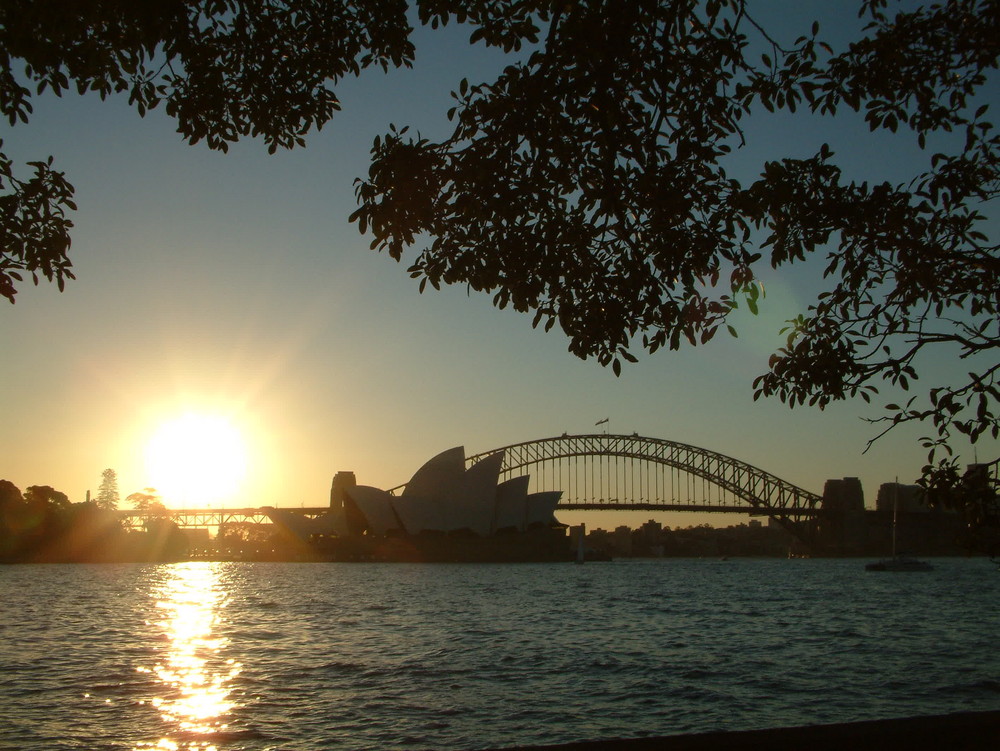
(196, 460)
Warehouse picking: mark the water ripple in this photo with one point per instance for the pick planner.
(255, 657)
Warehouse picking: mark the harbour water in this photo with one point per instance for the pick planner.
(257, 656)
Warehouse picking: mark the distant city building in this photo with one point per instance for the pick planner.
(651, 529)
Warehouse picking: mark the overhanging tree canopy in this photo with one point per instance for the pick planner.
(224, 69)
(587, 185)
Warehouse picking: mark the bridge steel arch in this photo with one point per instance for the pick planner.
(757, 491)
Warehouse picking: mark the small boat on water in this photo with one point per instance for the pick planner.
(898, 562)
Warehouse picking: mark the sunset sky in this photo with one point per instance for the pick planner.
(232, 285)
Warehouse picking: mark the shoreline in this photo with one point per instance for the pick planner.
(727, 558)
(961, 731)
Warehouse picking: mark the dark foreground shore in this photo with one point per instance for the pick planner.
(964, 731)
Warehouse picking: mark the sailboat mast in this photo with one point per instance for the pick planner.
(895, 513)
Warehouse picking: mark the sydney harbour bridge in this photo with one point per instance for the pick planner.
(601, 472)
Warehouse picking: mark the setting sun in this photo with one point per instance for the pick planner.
(196, 460)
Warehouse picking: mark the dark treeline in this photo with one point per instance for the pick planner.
(41, 525)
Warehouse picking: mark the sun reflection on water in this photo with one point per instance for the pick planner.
(195, 678)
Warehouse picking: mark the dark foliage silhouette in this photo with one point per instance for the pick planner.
(42, 525)
(587, 185)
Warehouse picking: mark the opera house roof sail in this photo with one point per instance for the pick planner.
(443, 496)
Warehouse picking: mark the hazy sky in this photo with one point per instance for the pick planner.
(233, 284)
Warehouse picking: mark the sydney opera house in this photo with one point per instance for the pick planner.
(445, 512)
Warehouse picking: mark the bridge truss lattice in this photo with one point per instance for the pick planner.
(632, 472)
(205, 517)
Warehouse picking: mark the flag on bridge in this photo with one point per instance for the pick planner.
(600, 422)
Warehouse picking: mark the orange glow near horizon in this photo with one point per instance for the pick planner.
(197, 459)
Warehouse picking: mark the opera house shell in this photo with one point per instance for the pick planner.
(445, 512)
